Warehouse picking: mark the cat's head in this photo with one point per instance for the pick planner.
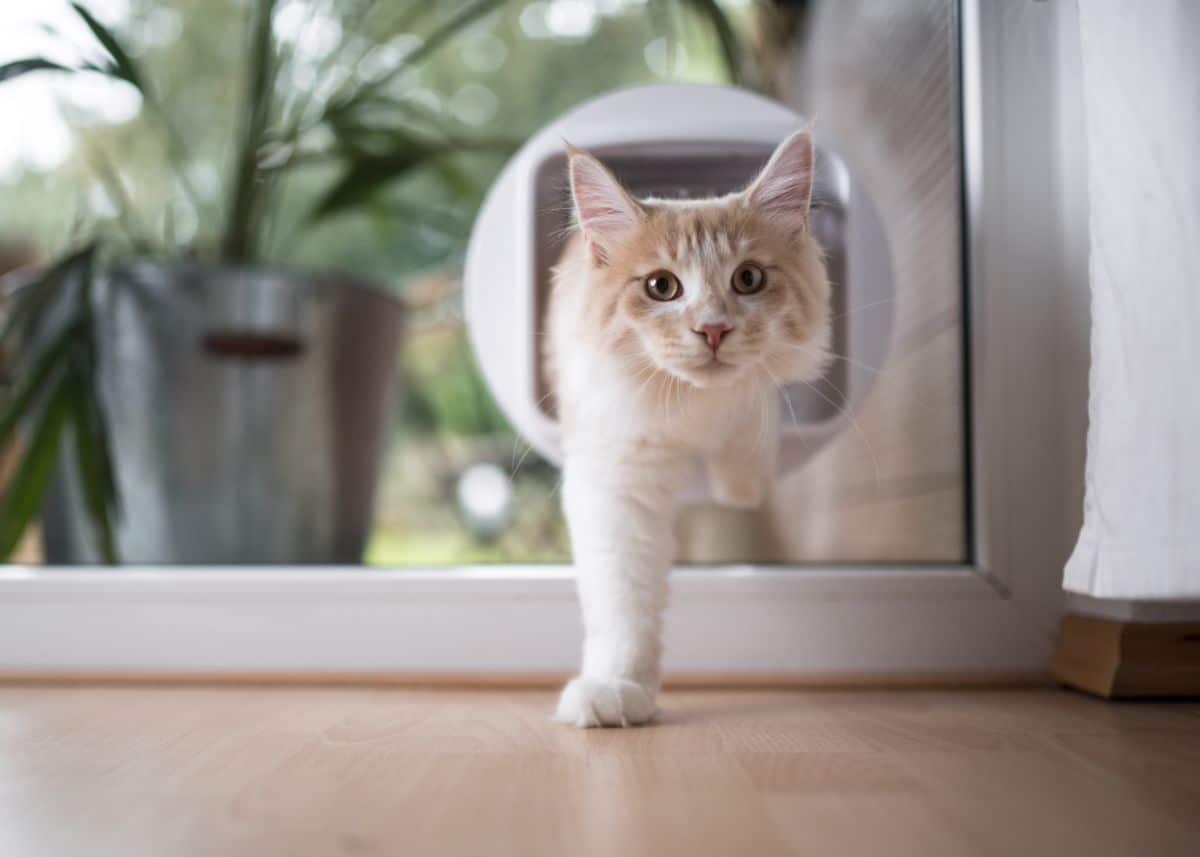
(710, 291)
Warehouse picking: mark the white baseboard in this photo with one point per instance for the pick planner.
(505, 621)
(1123, 610)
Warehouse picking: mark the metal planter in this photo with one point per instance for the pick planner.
(249, 411)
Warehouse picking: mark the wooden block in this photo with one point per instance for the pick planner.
(1117, 658)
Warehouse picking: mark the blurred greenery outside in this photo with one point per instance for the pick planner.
(511, 72)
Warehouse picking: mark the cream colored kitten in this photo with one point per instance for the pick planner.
(671, 327)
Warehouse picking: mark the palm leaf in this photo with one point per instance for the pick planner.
(10, 70)
(104, 459)
(731, 46)
(137, 232)
(91, 421)
(33, 299)
(57, 381)
(243, 224)
(468, 14)
(33, 384)
(455, 24)
(24, 493)
(455, 179)
(376, 156)
(364, 176)
(123, 65)
(93, 466)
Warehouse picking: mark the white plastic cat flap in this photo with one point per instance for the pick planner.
(669, 140)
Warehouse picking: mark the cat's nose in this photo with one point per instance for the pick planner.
(714, 333)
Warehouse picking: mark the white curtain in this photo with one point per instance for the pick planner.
(1141, 83)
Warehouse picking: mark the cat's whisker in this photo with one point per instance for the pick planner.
(515, 465)
(638, 362)
(857, 428)
(564, 232)
(858, 309)
(567, 206)
(542, 400)
(673, 396)
(650, 377)
(643, 372)
(764, 426)
(835, 356)
(782, 392)
(839, 391)
(524, 455)
(646, 373)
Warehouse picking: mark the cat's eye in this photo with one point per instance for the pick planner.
(663, 286)
(748, 279)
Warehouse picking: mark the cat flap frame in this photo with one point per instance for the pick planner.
(670, 140)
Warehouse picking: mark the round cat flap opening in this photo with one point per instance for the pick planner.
(674, 141)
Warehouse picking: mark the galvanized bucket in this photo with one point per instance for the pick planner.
(249, 411)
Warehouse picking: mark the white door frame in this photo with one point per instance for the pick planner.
(993, 618)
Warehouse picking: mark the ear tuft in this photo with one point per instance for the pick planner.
(605, 211)
(784, 188)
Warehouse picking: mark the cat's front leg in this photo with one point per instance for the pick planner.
(620, 519)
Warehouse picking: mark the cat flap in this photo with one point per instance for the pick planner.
(672, 141)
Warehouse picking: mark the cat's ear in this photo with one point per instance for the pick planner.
(784, 188)
(606, 212)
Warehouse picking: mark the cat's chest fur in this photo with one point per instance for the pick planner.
(603, 402)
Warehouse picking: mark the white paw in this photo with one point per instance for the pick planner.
(588, 702)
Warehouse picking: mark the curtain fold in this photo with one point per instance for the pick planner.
(1141, 84)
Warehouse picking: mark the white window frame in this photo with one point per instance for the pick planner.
(991, 619)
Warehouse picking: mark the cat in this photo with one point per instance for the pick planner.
(672, 325)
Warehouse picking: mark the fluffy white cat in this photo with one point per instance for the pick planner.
(672, 325)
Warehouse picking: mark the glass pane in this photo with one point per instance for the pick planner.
(384, 188)
(883, 81)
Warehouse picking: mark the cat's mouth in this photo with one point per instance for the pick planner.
(713, 371)
(716, 364)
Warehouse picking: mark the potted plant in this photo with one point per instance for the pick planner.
(189, 403)
(183, 401)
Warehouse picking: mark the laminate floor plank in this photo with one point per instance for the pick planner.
(298, 771)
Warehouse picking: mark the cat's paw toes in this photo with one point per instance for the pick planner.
(589, 702)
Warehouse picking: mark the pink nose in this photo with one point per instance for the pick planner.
(714, 333)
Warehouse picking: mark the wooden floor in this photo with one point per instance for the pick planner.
(305, 771)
